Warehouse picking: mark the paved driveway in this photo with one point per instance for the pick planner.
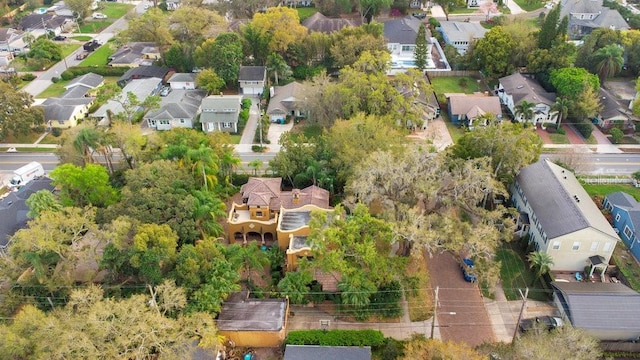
(461, 314)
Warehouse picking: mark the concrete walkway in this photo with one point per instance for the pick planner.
(515, 8)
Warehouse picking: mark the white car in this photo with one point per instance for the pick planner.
(99, 16)
(147, 6)
(549, 5)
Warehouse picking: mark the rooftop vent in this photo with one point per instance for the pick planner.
(519, 86)
(576, 198)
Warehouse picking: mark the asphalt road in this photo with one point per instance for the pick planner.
(600, 164)
(44, 79)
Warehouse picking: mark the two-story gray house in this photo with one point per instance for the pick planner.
(220, 113)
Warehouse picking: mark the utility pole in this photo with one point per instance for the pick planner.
(524, 303)
(435, 312)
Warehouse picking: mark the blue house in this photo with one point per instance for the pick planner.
(626, 218)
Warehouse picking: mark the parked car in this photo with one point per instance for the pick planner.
(82, 55)
(99, 16)
(165, 91)
(91, 45)
(59, 38)
(549, 5)
(420, 16)
(541, 323)
(467, 266)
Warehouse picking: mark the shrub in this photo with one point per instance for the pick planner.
(257, 148)
(584, 128)
(304, 72)
(552, 129)
(616, 135)
(56, 132)
(76, 71)
(246, 104)
(373, 338)
(55, 79)
(28, 77)
(560, 130)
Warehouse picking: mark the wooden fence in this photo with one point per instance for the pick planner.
(614, 180)
(471, 73)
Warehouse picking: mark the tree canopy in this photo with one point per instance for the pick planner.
(17, 116)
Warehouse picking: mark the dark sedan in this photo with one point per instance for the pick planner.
(541, 323)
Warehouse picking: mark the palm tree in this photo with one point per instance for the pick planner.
(524, 110)
(85, 142)
(609, 61)
(203, 163)
(256, 165)
(541, 261)
(278, 67)
(209, 209)
(247, 258)
(562, 107)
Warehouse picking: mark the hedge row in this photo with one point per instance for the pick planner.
(373, 338)
(75, 71)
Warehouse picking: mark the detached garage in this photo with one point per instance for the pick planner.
(252, 79)
(606, 311)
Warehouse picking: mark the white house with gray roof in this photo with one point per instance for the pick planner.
(182, 81)
(252, 79)
(560, 217)
(178, 109)
(461, 34)
(401, 37)
(220, 113)
(285, 101)
(517, 88)
(606, 311)
(587, 15)
(142, 88)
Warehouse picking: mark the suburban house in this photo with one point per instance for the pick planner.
(11, 43)
(464, 109)
(220, 113)
(561, 219)
(285, 101)
(614, 112)
(586, 16)
(142, 88)
(68, 109)
(461, 34)
(625, 211)
(135, 54)
(254, 322)
(429, 106)
(315, 352)
(89, 81)
(261, 216)
(401, 37)
(516, 88)
(182, 81)
(320, 23)
(178, 109)
(143, 72)
(13, 209)
(606, 311)
(252, 79)
(40, 24)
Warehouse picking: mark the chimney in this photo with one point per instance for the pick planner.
(296, 196)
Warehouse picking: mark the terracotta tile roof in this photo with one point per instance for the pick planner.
(329, 281)
(261, 190)
(310, 195)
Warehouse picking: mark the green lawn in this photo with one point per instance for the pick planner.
(453, 84)
(235, 138)
(627, 266)
(82, 38)
(603, 190)
(67, 49)
(115, 10)
(53, 90)
(559, 138)
(95, 26)
(29, 138)
(515, 274)
(456, 131)
(529, 5)
(306, 12)
(50, 139)
(99, 57)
